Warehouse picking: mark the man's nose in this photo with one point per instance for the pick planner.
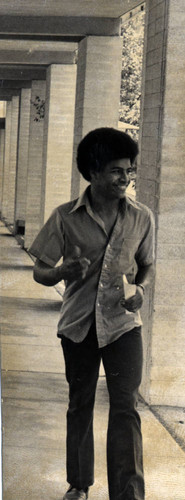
(123, 176)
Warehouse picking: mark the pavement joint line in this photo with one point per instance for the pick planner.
(33, 371)
(30, 345)
(33, 400)
(32, 447)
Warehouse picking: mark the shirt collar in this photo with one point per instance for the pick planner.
(81, 201)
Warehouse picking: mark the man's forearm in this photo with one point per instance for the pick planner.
(145, 275)
(72, 269)
(47, 275)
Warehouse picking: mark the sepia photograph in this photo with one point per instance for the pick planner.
(92, 250)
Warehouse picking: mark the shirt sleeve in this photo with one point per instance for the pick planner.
(48, 246)
(145, 254)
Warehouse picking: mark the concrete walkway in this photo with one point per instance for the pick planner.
(35, 394)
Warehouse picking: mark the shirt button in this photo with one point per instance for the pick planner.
(118, 287)
(98, 304)
(105, 266)
(108, 246)
(101, 284)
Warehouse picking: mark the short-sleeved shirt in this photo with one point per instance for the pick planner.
(98, 295)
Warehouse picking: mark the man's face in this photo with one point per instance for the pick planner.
(113, 180)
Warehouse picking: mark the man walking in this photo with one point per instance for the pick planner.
(106, 240)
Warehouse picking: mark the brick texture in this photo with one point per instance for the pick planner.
(5, 187)
(13, 158)
(98, 91)
(22, 164)
(161, 186)
(58, 136)
(35, 159)
(2, 144)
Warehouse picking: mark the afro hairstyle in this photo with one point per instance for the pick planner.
(101, 146)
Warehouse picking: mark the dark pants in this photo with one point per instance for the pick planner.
(122, 362)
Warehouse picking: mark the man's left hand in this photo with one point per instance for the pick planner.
(135, 302)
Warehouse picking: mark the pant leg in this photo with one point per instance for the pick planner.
(82, 369)
(123, 367)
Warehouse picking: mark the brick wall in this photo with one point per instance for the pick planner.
(58, 136)
(2, 144)
(161, 186)
(35, 159)
(22, 164)
(13, 159)
(98, 91)
(6, 160)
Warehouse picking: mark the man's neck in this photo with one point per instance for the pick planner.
(102, 204)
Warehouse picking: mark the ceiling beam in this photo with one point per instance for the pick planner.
(22, 72)
(88, 8)
(15, 84)
(74, 39)
(52, 25)
(7, 94)
(37, 57)
(19, 42)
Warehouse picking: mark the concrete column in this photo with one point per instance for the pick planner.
(5, 187)
(58, 136)
(2, 144)
(161, 186)
(35, 159)
(22, 164)
(2, 109)
(13, 159)
(98, 91)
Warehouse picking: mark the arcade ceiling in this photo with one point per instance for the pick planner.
(37, 33)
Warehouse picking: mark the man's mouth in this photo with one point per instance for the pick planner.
(121, 186)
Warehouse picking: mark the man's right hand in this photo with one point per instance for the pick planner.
(75, 267)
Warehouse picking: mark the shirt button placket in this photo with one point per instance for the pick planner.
(99, 303)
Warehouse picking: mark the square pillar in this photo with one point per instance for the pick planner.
(2, 145)
(35, 159)
(98, 91)
(22, 162)
(58, 136)
(13, 159)
(5, 186)
(161, 186)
